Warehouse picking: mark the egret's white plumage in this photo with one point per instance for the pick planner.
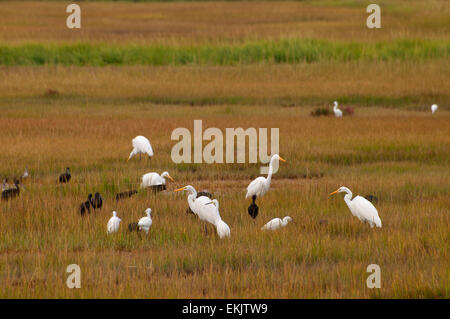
(145, 222)
(277, 223)
(360, 207)
(337, 112)
(206, 210)
(152, 179)
(141, 145)
(434, 108)
(113, 223)
(260, 185)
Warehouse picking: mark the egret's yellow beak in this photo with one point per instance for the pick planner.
(128, 160)
(333, 192)
(170, 177)
(180, 189)
(282, 159)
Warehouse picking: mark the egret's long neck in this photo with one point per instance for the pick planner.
(191, 199)
(284, 222)
(348, 197)
(269, 176)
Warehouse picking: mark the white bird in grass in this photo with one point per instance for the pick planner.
(141, 145)
(201, 207)
(277, 223)
(113, 223)
(259, 186)
(145, 222)
(153, 179)
(434, 108)
(337, 112)
(360, 207)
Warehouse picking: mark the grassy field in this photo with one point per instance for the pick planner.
(57, 112)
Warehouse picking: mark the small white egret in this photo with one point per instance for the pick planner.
(337, 112)
(259, 186)
(154, 179)
(141, 145)
(360, 207)
(277, 223)
(113, 223)
(145, 222)
(434, 108)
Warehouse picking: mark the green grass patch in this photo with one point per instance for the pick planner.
(282, 51)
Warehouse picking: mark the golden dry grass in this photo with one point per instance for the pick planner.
(400, 156)
(415, 85)
(192, 22)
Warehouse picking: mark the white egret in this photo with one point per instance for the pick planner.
(337, 112)
(154, 179)
(259, 186)
(141, 145)
(277, 223)
(200, 207)
(113, 223)
(145, 222)
(434, 108)
(212, 216)
(360, 207)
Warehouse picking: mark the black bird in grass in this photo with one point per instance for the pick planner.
(202, 193)
(253, 208)
(125, 194)
(65, 177)
(371, 198)
(157, 188)
(133, 227)
(85, 207)
(11, 192)
(97, 201)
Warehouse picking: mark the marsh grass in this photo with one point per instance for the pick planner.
(399, 156)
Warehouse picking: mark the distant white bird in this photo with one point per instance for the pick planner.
(337, 112)
(360, 207)
(434, 108)
(259, 186)
(141, 145)
(113, 223)
(145, 222)
(153, 179)
(25, 173)
(201, 207)
(277, 223)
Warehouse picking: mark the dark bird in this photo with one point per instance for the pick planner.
(126, 194)
(11, 192)
(202, 193)
(97, 201)
(133, 227)
(371, 198)
(157, 188)
(65, 177)
(253, 209)
(85, 207)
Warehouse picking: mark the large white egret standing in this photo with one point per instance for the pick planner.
(434, 108)
(202, 208)
(141, 145)
(154, 179)
(113, 223)
(259, 186)
(360, 207)
(146, 222)
(277, 223)
(337, 112)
